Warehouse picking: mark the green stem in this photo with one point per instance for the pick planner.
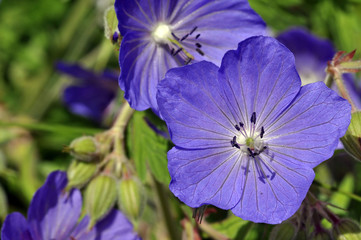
(214, 234)
(328, 80)
(343, 91)
(165, 210)
(334, 189)
(55, 128)
(119, 125)
(105, 52)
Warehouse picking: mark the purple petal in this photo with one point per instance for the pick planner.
(194, 108)
(81, 232)
(203, 29)
(244, 137)
(143, 65)
(115, 226)
(311, 53)
(221, 25)
(206, 176)
(15, 227)
(301, 42)
(53, 214)
(88, 101)
(272, 188)
(75, 71)
(307, 132)
(263, 81)
(134, 15)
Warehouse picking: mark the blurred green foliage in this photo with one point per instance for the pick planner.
(35, 125)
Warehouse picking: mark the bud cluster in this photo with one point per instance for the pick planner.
(314, 220)
(106, 176)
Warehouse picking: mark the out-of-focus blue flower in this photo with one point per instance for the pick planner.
(163, 34)
(53, 214)
(93, 93)
(247, 134)
(312, 54)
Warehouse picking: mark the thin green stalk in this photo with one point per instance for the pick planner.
(55, 128)
(214, 234)
(343, 91)
(334, 189)
(165, 210)
(119, 125)
(105, 52)
(328, 80)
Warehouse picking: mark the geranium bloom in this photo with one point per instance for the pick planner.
(312, 54)
(93, 92)
(53, 214)
(247, 134)
(163, 34)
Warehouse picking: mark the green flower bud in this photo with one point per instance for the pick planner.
(325, 235)
(301, 235)
(352, 139)
(100, 196)
(347, 229)
(283, 231)
(79, 173)
(131, 197)
(84, 149)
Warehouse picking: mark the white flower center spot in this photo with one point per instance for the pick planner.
(161, 33)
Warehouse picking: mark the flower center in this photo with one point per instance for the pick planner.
(249, 141)
(162, 33)
(175, 45)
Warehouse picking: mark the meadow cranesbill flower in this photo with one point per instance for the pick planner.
(247, 135)
(312, 55)
(53, 214)
(93, 92)
(163, 34)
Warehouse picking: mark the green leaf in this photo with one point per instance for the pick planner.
(233, 227)
(340, 200)
(147, 149)
(110, 22)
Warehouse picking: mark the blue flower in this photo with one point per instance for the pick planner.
(163, 34)
(312, 55)
(53, 214)
(247, 135)
(93, 94)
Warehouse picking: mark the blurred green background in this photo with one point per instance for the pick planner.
(35, 125)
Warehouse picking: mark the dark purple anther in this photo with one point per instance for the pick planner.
(250, 152)
(200, 51)
(176, 38)
(195, 28)
(253, 118)
(176, 52)
(262, 132)
(184, 37)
